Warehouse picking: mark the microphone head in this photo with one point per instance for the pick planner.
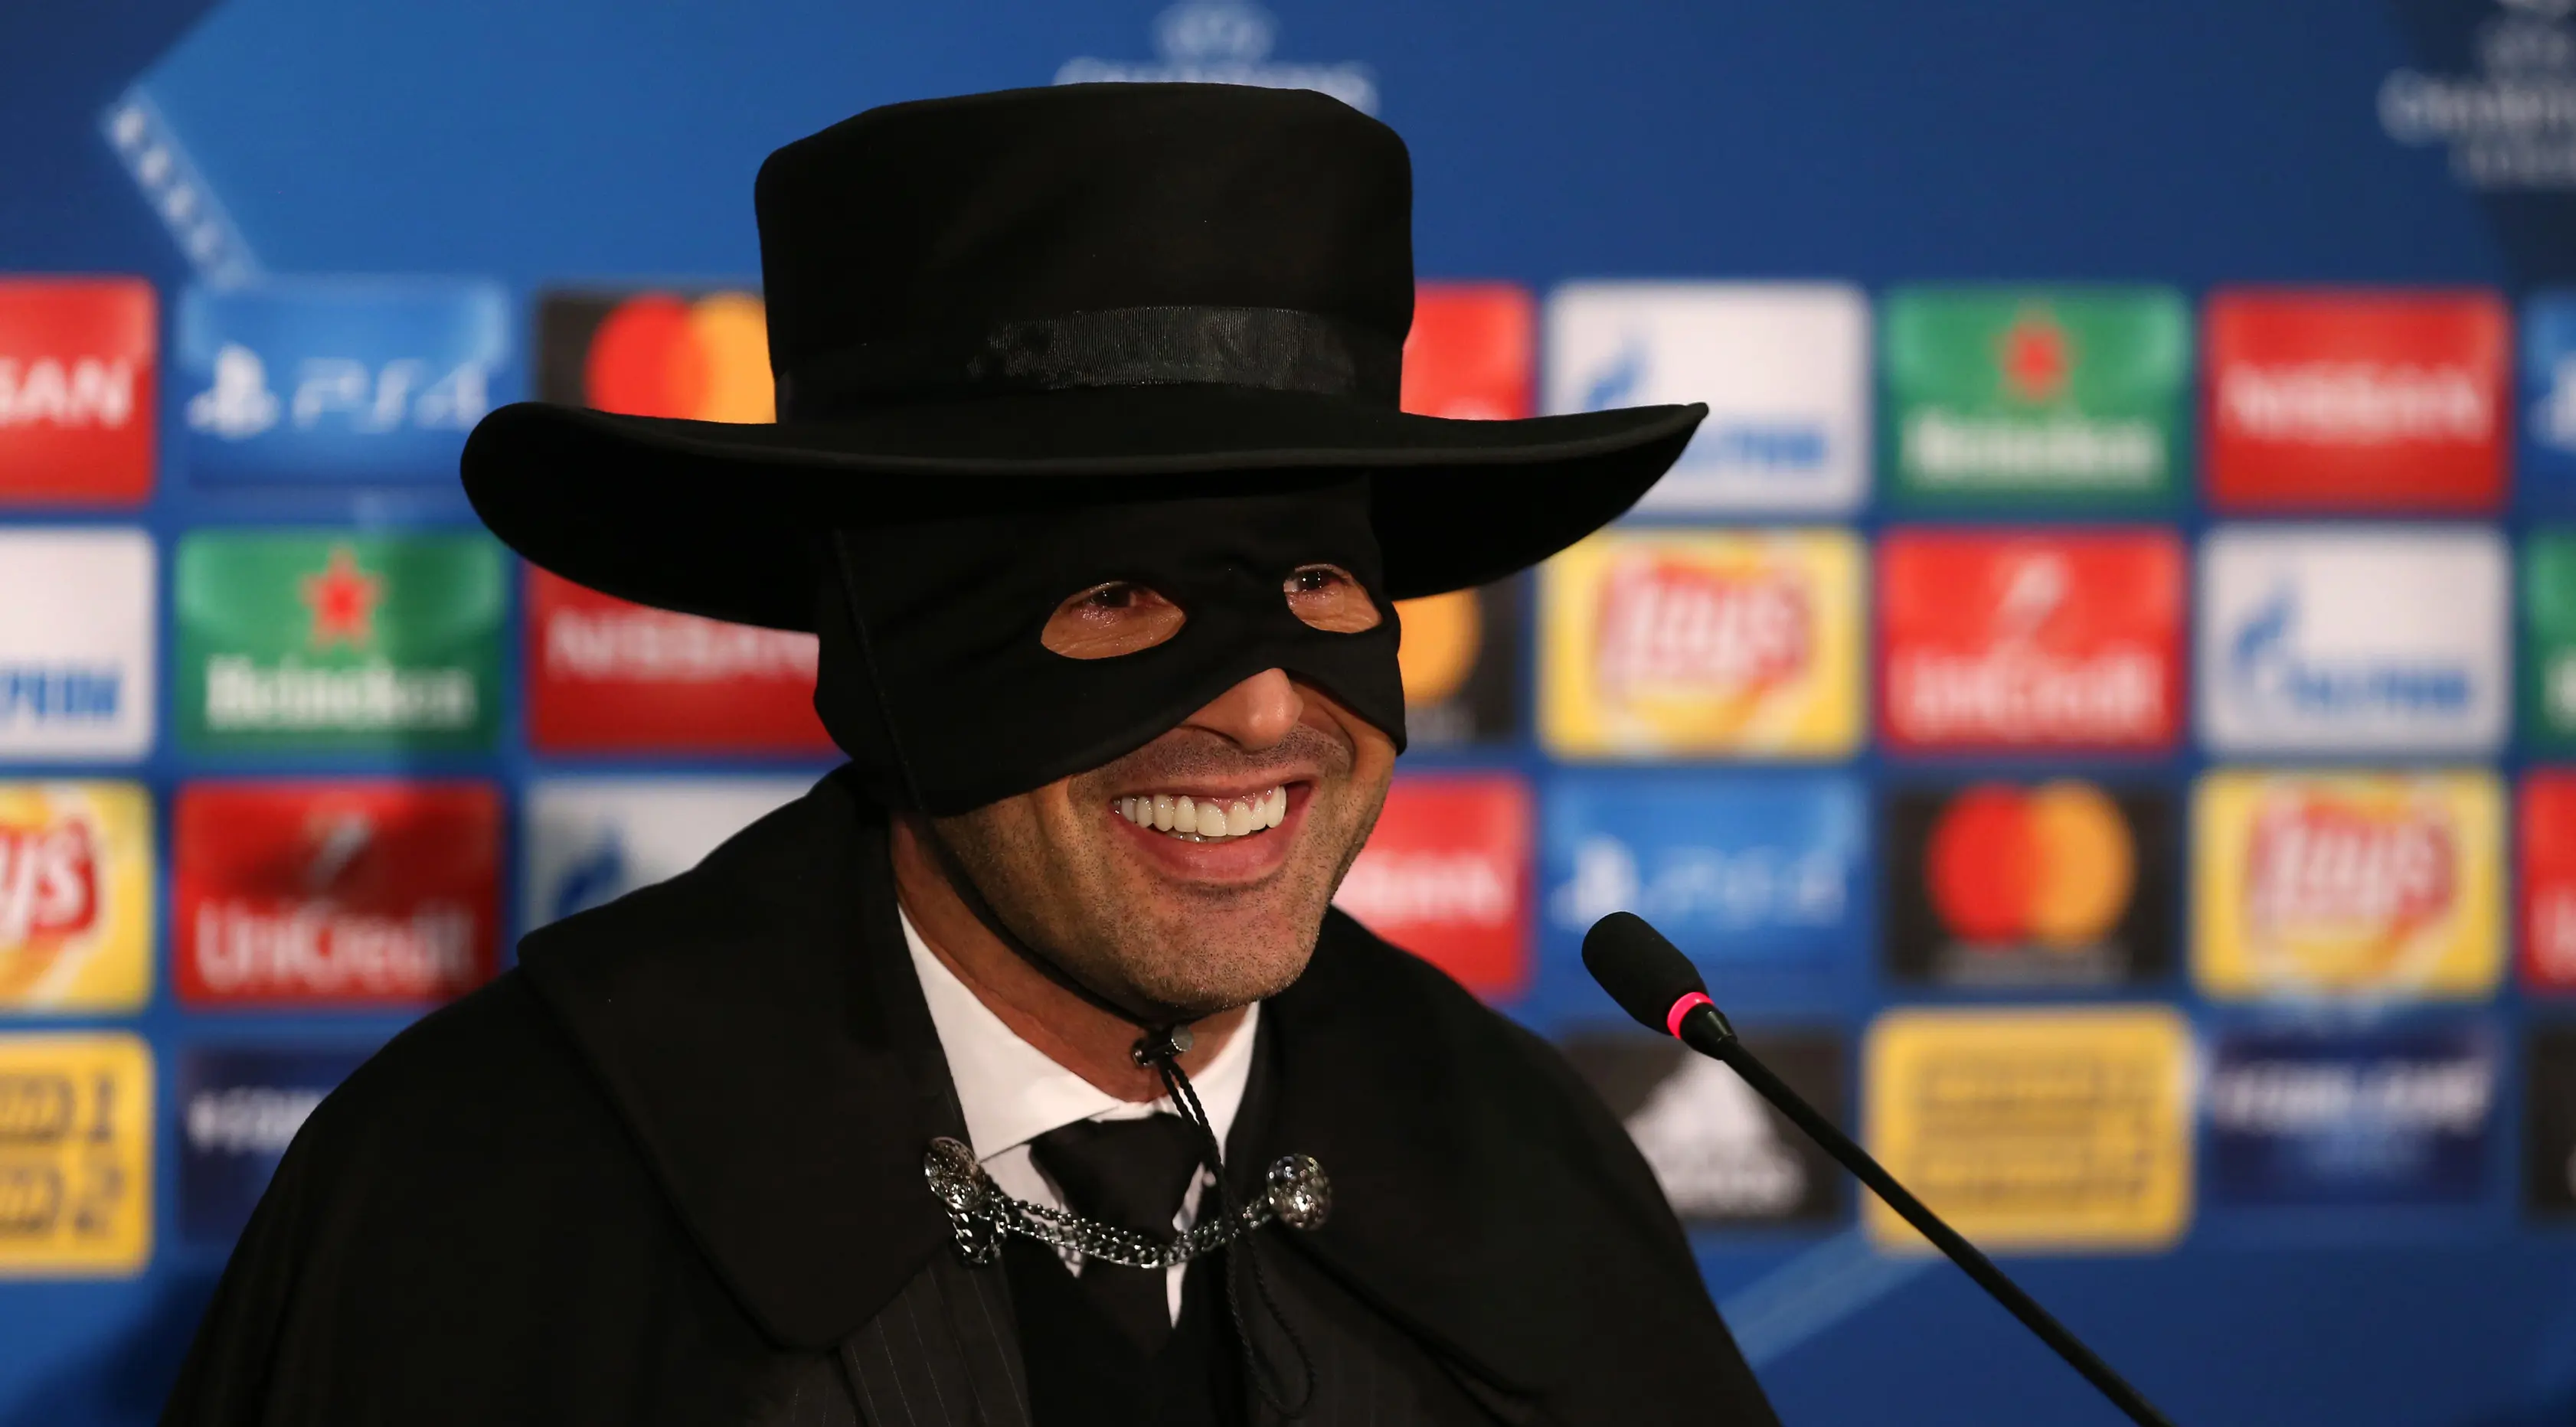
(1643, 972)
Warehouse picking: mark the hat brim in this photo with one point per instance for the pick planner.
(717, 519)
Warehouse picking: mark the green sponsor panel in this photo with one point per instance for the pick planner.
(2549, 640)
(2014, 393)
(333, 640)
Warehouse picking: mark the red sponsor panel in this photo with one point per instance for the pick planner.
(2357, 400)
(1446, 876)
(1994, 641)
(608, 676)
(2549, 880)
(356, 893)
(76, 390)
(1472, 354)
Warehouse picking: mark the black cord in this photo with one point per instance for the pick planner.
(1159, 1051)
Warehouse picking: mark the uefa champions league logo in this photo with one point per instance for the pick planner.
(1224, 42)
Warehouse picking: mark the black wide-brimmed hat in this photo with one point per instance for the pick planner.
(1092, 292)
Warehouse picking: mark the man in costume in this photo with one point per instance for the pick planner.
(1020, 1073)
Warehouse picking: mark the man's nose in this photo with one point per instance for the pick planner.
(1255, 713)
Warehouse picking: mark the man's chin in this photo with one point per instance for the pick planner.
(1239, 981)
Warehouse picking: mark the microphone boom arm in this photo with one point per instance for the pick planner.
(1705, 1030)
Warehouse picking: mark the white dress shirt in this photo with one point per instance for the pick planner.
(1012, 1092)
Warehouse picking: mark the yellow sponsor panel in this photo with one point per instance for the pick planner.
(2347, 884)
(75, 896)
(1744, 642)
(2045, 1128)
(75, 1154)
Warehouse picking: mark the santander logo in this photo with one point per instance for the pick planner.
(1674, 625)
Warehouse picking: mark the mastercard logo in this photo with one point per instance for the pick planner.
(1437, 650)
(704, 359)
(2053, 865)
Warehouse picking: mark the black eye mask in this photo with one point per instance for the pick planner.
(953, 611)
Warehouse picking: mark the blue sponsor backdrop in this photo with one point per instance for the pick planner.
(538, 142)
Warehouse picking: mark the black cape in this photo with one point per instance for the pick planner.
(669, 1171)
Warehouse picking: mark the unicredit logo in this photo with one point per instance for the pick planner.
(2357, 403)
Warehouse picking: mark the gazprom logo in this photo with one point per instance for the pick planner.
(1730, 443)
(2268, 667)
(49, 695)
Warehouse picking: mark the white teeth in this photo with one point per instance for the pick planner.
(1206, 821)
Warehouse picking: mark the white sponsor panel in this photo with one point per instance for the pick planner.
(592, 840)
(1784, 368)
(76, 644)
(2354, 641)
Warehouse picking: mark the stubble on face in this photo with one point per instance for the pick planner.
(1066, 877)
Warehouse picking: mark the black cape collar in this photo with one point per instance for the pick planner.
(757, 1023)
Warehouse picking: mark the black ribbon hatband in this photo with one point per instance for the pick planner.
(1271, 348)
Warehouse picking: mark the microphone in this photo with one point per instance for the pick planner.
(1653, 981)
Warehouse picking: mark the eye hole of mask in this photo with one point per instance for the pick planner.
(1326, 597)
(1109, 619)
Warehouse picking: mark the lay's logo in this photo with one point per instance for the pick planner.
(2353, 884)
(1670, 625)
(75, 896)
(2329, 870)
(1673, 642)
(48, 887)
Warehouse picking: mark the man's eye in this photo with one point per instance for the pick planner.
(1326, 597)
(1111, 618)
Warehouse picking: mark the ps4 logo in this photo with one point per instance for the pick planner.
(349, 394)
(1732, 889)
(2266, 667)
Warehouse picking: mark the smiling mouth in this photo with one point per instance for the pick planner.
(1206, 819)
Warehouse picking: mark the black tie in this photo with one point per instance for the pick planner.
(1132, 1174)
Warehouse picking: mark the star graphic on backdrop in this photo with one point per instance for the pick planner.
(2035, 357)
(343, 600)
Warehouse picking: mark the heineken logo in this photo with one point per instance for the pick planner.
(343, 600)
(289, 639)
(2035, 358)
(2035, 391)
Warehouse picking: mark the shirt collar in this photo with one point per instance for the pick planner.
(1012, 1092)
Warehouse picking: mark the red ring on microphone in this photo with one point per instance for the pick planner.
(1683, 1007)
